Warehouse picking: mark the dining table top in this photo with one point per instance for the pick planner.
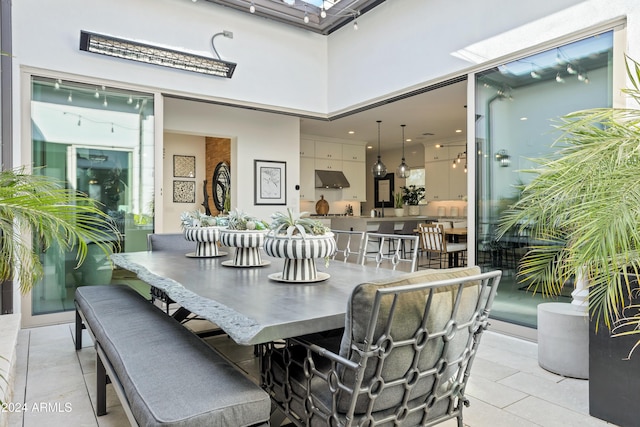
(245, 302)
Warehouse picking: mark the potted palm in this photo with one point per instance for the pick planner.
(60, 218)
(299, 240)
(412, 195)
(582, 209)
(398, 204)
(245, 233)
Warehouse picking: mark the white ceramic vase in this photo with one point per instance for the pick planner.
(206, 239)
(414, 210)
(399, 211)
(247, 244)
(300, 254)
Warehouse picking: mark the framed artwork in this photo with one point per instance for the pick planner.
(184, 166)
(270, 186)
(383, 191)
(184, 192)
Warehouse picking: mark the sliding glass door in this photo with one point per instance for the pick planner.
(98, 140)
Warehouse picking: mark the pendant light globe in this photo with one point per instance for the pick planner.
(403, 170)
(379, 170)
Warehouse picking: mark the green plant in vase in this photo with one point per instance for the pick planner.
(246, 234)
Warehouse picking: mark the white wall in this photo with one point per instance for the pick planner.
(253, 134)
(182, 145)
(406, 43)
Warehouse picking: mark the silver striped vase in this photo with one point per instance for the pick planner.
(300, 254)
(206, 239)
(247, 244)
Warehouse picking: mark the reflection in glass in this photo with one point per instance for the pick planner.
(516, 104)
(98, 140)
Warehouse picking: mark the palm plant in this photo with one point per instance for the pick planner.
(37, 206)
(583, 208)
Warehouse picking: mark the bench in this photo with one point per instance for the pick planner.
(163, 373)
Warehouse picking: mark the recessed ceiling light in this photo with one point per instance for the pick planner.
(458, 130)
(408, 140)
(524, 118)
(438, 145)
(351, 132)
(369, 147)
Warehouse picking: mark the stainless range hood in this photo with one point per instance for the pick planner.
(331, 179)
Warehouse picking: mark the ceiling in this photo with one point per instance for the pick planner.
(305, 14)
(434, 115)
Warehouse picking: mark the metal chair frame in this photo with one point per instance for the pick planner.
(314, 385)
(348, 244)
(394, 254)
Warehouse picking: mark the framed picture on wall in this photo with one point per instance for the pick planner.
(184, 166)
(184, 192)
(270, 186)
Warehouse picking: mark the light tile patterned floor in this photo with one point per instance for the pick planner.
(507, 387)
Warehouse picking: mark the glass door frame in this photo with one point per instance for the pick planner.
(24, 157)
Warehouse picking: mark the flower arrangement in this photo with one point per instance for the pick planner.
(412, 194)
(290, 225)
(196, 219)
(239, 220)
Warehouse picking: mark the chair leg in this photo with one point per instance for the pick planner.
(101, 387)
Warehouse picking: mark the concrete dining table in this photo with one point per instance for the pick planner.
(246, 303)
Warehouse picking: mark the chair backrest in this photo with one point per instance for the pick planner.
(391, 251)
(348, 245)
(408, 227)
(415, 339)
(386, 227)
(169, 242)
(445, 224)
(432, 238)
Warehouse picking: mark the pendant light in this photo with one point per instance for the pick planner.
(403, 170)
(379, 169)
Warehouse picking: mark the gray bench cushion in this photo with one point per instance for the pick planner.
(169, 375)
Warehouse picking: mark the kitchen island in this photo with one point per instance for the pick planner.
(365, 223)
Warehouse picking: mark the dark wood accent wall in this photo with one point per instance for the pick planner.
(217, 150)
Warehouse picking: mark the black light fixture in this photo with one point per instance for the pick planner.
(155, 55)
(379, 169)
(403, 170)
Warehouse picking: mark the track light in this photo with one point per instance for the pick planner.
(559, 78)
(70, 97)
(252, 8)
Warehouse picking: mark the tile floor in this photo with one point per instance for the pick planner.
(507, 387)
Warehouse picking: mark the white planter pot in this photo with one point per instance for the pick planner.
(399, 211)
(206, 239)
(247, 244)
(414, 210)
(300, 254)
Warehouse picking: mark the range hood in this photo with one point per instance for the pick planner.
(331, 179)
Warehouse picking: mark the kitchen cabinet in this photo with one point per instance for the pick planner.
(355, 172)
(437, 180)
(354, 153)
(328, 164)
(307, 148)
(328, 150)
(307, 178)
(443, 182)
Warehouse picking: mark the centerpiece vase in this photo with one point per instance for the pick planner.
(299, 255)
(206, 239)
(247, 244)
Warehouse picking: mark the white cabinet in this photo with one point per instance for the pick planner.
(355, 172)
(354, 153)
(307, 178)
(328, 164)
(328, 150)
(458, 183)
(307, 148)
(437, 180)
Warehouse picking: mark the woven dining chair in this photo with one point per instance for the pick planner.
(434, 243)
(403, 358)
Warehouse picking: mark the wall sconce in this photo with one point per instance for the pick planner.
(503, 158)
(134, 51)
